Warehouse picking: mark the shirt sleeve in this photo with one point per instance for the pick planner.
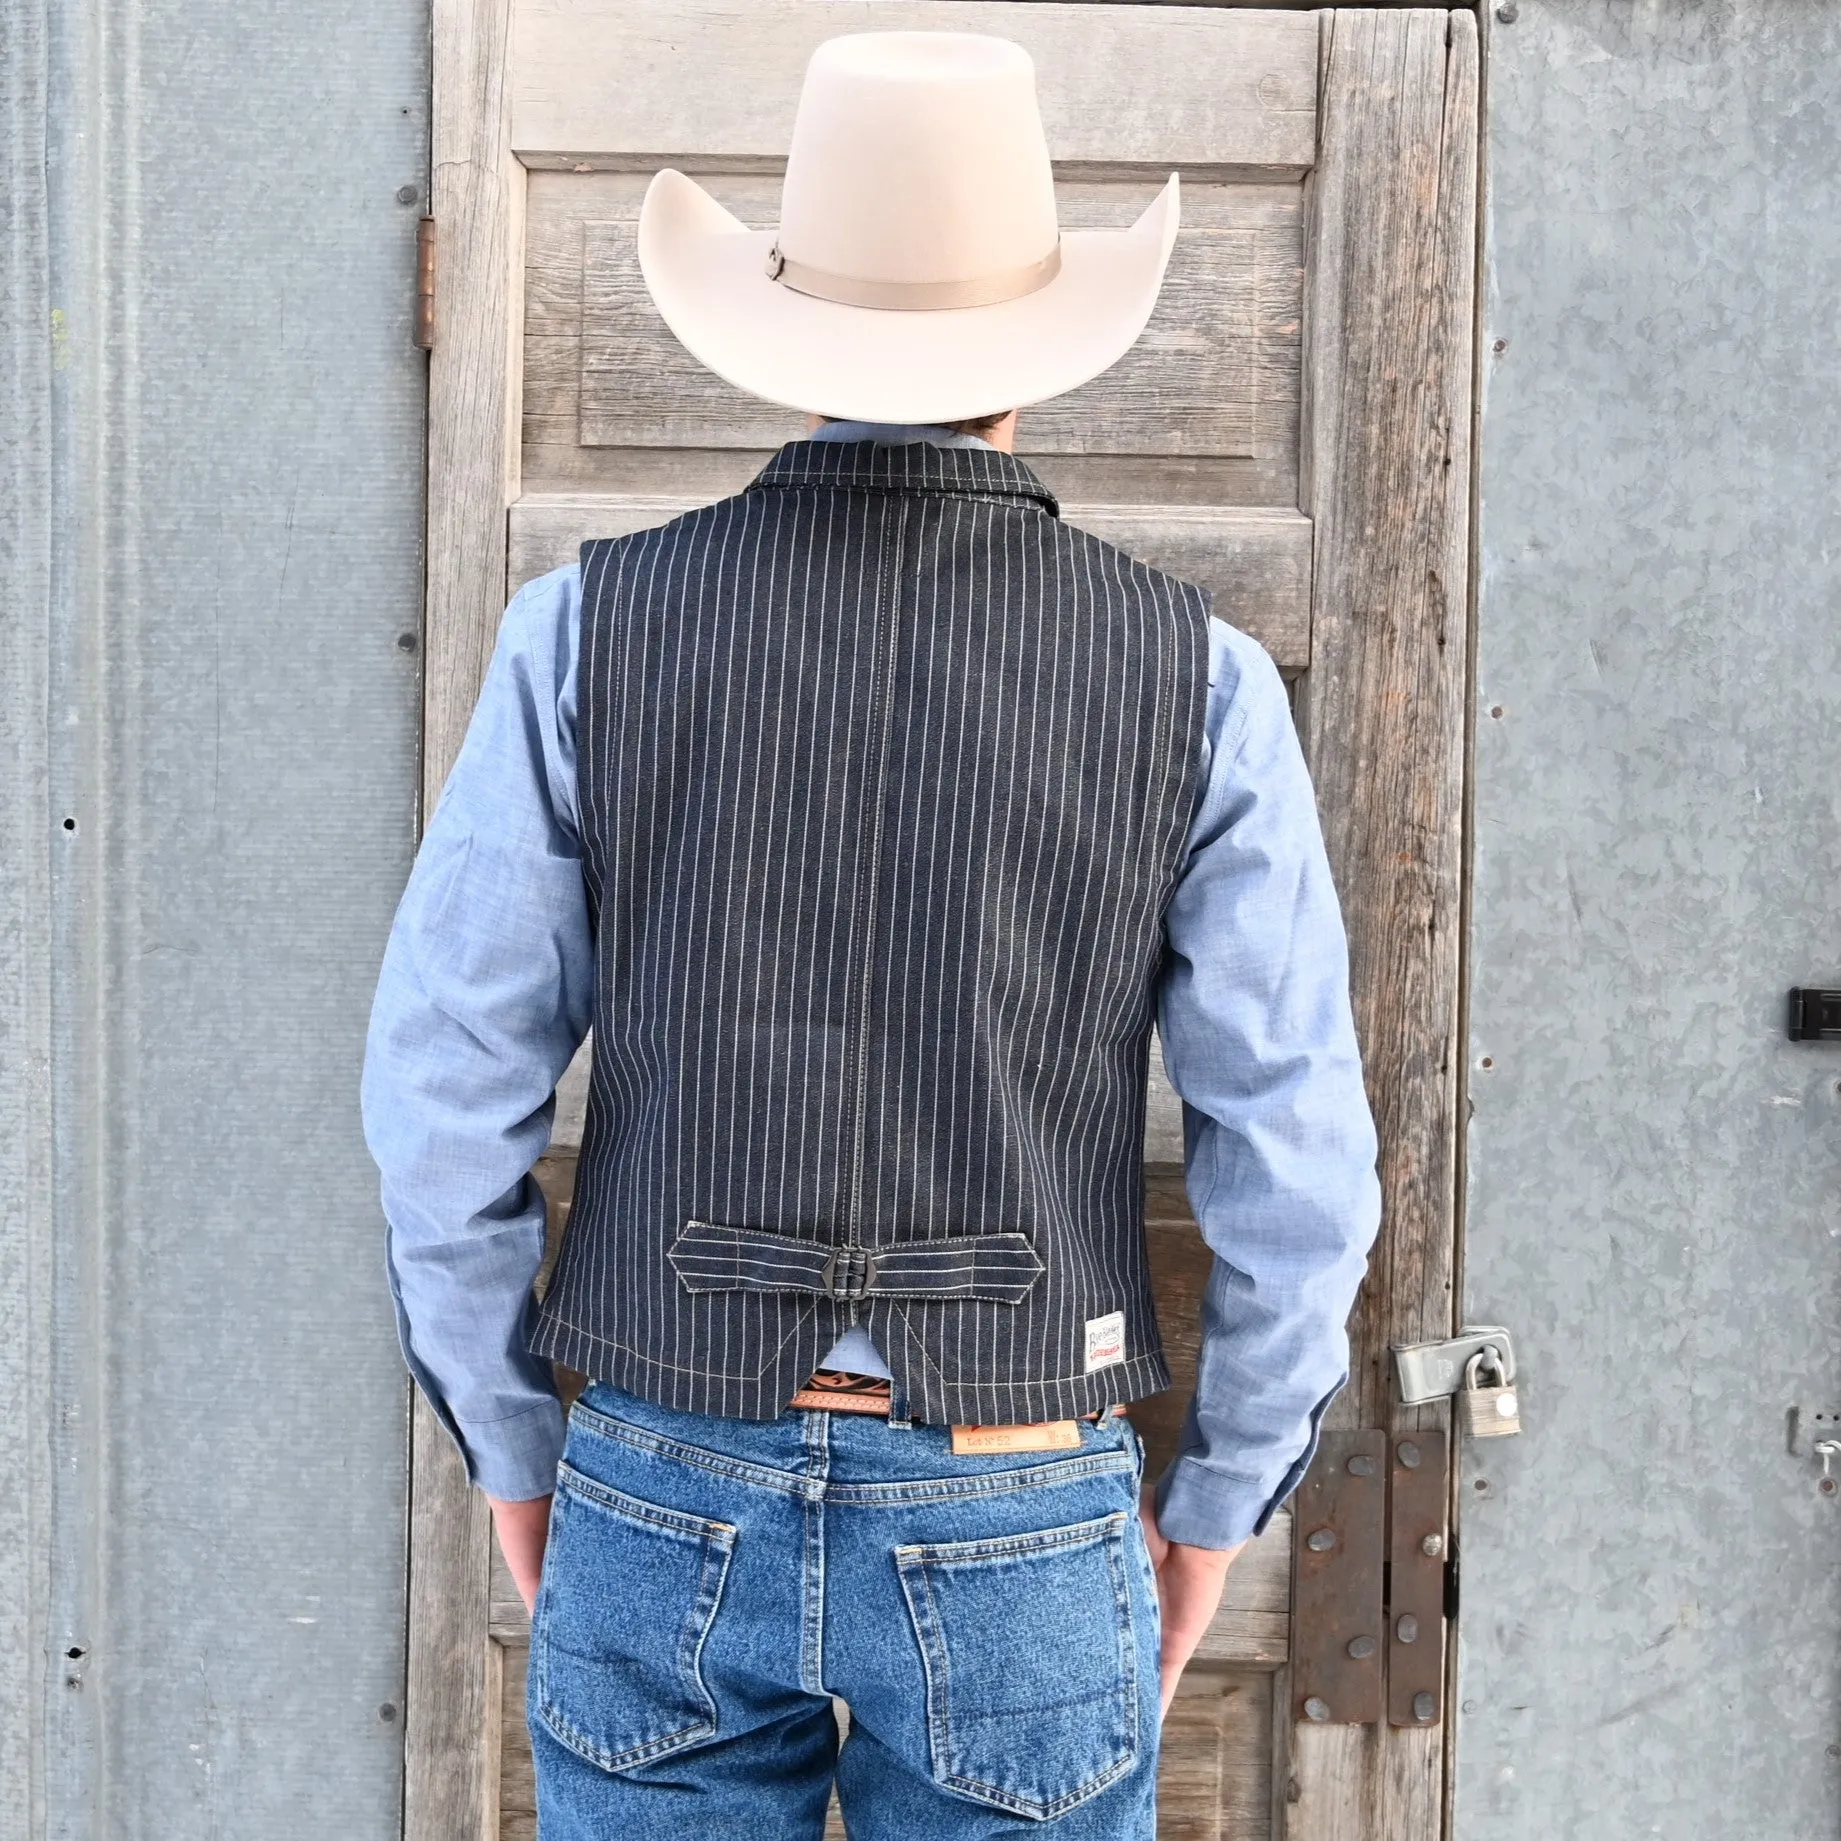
(1279, 1143)
(485, 993)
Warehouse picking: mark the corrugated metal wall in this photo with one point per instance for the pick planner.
(214, 432)
(1650, 1600)
(212, 436)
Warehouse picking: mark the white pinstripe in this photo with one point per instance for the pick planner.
(885, 779)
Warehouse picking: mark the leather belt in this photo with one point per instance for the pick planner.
(999, 1268)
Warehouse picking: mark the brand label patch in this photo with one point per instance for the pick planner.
(1051, 1435)
(1105, 1340)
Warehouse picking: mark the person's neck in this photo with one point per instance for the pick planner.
(1000, 434)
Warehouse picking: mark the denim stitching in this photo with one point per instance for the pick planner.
(661, 1446)
(717, 1540)
(912, 1563)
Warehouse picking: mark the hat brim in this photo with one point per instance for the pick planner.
(707, 273)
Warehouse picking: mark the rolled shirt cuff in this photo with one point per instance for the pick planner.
(1205, 1508)
(515, 1459)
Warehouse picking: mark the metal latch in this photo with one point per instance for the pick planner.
(1815, 1016)
(1435, 1370)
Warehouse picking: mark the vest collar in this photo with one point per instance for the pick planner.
(917, 467)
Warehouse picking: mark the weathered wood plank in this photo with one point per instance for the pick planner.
(450, 1725)
(1388, 361)
(447, 1783)
(1255, 559)
(473, 378)
(1214, 1776)
(637, 78)
(517, 1798)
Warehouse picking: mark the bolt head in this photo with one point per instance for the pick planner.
(1321, 1540)
(1407, 1629)
(1360, 1465)
(1315, 1709)
(1408, 1453)
(1508, 12)
(1362, 1647)
(1425, 1706)
(1433, 1545)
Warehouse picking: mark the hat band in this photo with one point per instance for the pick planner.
(913, 296)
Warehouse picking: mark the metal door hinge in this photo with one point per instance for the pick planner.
(425, 284)
(1373, 1548)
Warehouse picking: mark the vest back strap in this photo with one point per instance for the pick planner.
(999, 1268)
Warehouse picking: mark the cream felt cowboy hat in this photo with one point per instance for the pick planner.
(918, 274)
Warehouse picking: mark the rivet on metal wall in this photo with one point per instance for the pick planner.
(1508, 12)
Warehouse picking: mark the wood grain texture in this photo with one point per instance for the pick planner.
(1189, 385)
(451, 1710)
(1214, 1775)
(517, 1801)
(1204, 407)
(1255, 559)
(473, 379)
(1388, 358)
(451, 1716)
(637, 78)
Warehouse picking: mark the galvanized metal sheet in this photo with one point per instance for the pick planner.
(1650, 1603)
(209, 771)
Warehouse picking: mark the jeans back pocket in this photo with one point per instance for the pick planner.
(1031, 1664)
(629, 1594)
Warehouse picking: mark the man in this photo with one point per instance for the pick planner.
(872, 817)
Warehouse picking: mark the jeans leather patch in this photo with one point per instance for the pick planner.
(1050, 1435)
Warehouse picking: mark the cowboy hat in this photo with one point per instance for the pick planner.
(918, 273)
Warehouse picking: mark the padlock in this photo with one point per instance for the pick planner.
(1487, 1409)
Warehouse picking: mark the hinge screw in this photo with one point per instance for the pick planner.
(1361, 1465)
(1362, 1647)
(1321, 1540)
(1407, 1629)
(1424, 1706)
(1315, 1709)
(1432, 1546)
(1408, 1453)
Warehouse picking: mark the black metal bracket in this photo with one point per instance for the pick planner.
(1815, 1016)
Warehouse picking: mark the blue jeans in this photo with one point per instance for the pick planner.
(711, 1583)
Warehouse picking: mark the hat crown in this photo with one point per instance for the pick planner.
(918, 158)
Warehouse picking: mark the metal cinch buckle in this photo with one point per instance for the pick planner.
(849, 1273)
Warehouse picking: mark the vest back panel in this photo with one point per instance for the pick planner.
(885, 779)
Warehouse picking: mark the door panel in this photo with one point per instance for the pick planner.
(1290, 433)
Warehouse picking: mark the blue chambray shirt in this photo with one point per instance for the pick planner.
(487, 990)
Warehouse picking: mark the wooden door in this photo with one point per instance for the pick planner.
(1292, 431)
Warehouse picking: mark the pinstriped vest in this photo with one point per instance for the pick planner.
(885, 781)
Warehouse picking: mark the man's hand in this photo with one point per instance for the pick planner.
(522, 1528)
(1189, 1582)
